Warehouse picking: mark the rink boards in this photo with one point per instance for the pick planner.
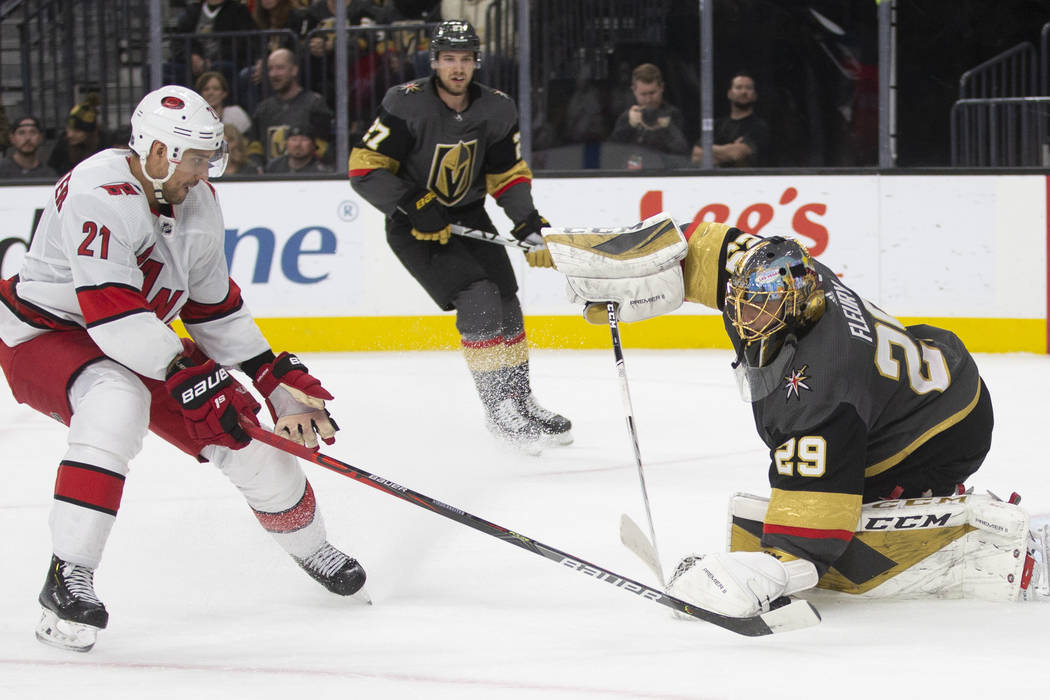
(966, 252)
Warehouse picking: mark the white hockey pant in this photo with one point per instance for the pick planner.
(111, 408)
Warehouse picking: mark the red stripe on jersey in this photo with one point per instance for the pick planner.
(357, 172)
(143, 257)
(295, 518)
(89, 486)
(479, 344)
(29, 314)
(809, 532)
(196, 312)
(516, 339)
(515, 181)
(109, 302)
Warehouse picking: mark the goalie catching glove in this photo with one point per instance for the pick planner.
(428, 216)
(638, 269)
(212, 402)
(296, 401)
(530, 231)
(739, 584)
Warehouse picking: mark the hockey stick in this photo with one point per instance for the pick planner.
(498, 239)
(786, 615)
(630, 534)
(632, 537)
(652, 555)
(480, 235)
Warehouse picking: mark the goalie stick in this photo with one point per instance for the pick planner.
(786, 614)
(633, 539)
(652, 558)
(498, 239)
(630, 534)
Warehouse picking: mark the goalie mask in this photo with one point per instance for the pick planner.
(775, 292)
(455, 35)
(181, 120)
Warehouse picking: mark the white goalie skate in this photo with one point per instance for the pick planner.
(1039, 551)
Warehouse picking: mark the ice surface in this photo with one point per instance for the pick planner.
(203, 603)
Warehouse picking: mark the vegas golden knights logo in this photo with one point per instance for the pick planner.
(452, 171)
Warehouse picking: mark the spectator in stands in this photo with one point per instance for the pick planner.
(289, 104)
(321, 47)
(206, 54)
(212, 86)
(274, 15)
(376, 65)
(584, 114)
(238, 163)
(741, 139)
(300, 154)
(82, 136)
(26, 137)
(650, 121)
(282, 14)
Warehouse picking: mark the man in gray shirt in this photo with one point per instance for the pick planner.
(26, 136)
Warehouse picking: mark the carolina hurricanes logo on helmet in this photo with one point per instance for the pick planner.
(172, 102)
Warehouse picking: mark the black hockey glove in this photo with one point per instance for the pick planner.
(428, 216)
(212, 403)
(530, 230)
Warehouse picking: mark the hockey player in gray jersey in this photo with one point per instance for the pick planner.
(132, 240)
(872, 428)
(435, 149)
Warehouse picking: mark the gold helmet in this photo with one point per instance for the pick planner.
(775, 292)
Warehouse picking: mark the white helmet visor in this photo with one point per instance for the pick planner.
(204, 163)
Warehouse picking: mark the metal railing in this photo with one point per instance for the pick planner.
(69, 49)
(1001, 132)
(1002, 116)
(238, 54)
(379, 57)
(1013, 73)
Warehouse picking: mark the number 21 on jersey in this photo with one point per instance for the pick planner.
(94, 231)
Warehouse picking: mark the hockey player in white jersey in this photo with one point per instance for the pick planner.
(130, 241)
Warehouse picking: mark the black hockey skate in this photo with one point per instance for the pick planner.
(339, 573)
(554, 426)
(506, 421)
(72, 613)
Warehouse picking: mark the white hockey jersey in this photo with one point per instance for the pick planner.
(103, 260)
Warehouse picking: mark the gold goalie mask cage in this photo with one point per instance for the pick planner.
(776, 291)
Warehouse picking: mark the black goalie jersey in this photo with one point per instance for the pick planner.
(418, 142)
(859, 409)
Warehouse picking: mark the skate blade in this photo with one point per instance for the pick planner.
(63, 634)
(361, 596)
(559, 439)
(533, 448)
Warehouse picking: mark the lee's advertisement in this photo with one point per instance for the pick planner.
(965, 252)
